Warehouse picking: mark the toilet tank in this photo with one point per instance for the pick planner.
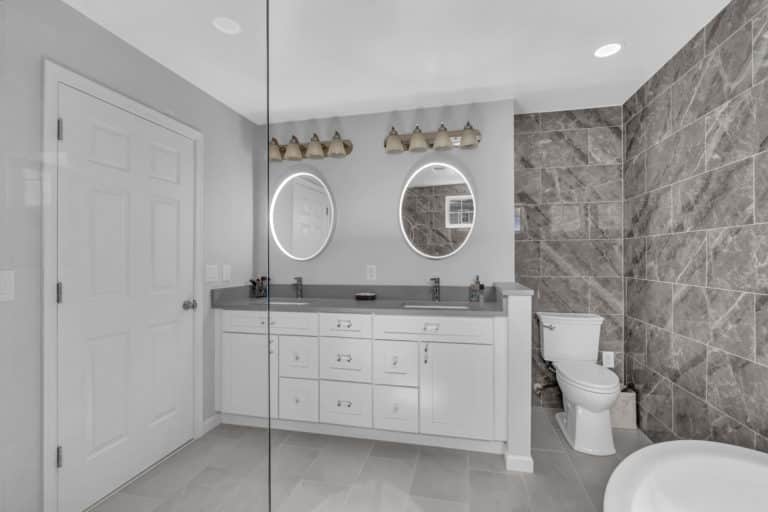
(569, 336)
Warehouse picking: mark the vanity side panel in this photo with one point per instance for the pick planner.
(519, 335)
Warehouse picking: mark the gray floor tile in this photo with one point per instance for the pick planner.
(292, 461)
(313, 496)
(594, 473)
(380, 471)
(422, 504)
(497, 492)
(395, 450)
(487, 462)
(555, 486)
(124, 502)
(340, 461)
(442, 474)
(543, 434)
(306, 439)
(374, 497)
(629, 441)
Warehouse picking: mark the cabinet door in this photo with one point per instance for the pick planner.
(456, 389)
(245, 374)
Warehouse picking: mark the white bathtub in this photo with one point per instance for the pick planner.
(695, 476)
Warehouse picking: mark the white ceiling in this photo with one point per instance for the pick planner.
(340, 57)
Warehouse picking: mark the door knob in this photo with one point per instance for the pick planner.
(189, 304)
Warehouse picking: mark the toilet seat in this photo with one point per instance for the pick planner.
(588, 376)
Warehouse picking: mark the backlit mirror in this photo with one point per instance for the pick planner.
(437, 210)
(301, 216)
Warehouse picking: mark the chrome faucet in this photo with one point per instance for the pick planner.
(299, 284)
(435, 289)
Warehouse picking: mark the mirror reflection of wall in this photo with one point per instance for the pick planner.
(302, 216)
(437, 210)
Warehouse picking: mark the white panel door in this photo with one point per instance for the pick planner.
(126, 237)
(456, 390)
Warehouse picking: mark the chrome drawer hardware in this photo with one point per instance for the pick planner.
(189, 304)
(548, 326)
(345, 403)
(344, 357)
(347, 324)
(426, 353)
(395, 360)
(431, 327)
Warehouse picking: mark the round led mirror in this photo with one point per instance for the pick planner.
(437, 210)
(301, 216)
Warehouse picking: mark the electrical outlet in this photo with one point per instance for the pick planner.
(7, 285)
(609, 359)
(212, 273)
(226, 272)
(370, 272)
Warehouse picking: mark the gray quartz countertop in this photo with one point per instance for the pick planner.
(340, 299)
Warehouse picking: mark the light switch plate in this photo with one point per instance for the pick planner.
(212, 273)
(7, 285)
(609, 359)
(226, 272)
(370, 272)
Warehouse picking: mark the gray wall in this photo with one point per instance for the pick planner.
(366, 187)
(32, 30)
(568, 186)
(696, 227)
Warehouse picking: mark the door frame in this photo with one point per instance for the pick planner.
(53, 75)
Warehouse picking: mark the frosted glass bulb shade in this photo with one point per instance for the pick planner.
(394, 143)
(275, 154)
(468, 137)
(442, 140)
(315, 148)
(293, 150)
(418, 141)
(336, 149)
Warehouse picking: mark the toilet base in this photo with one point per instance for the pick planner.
(586, 431)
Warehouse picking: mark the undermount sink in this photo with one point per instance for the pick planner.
(435, 306)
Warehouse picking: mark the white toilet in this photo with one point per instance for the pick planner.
(570, 341)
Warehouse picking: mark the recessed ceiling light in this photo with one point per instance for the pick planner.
(607, 50)
(227, 26)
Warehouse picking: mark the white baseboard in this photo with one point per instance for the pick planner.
(456, 443)
(520, 463)
(210, 423)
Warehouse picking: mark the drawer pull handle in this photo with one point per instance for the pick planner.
(347, 324)
(395, 360)
(344, 357)
(431, 327)
(345, 403)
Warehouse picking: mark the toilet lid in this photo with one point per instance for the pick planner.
(588, 375)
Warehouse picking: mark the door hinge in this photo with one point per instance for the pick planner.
(59, 457)
(59, 292)
(59, 129)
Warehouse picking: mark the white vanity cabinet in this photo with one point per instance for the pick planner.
(456, 390)
(436, 380)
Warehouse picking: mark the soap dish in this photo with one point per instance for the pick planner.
(365, 296)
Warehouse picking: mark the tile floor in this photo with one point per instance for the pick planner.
(226, 471)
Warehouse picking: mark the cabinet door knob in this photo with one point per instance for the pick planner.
(426, 353)
(395, 360)
(296, 400)
(396, 408)
(296, 357)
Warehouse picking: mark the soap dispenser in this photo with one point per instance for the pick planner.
(474, 290)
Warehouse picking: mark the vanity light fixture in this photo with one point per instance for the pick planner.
(394, 143)
(442, 139)
(275, 152)
(227, 26)
(293, 150)
(468, 137)
(336, 148)
(418, 141)
(314, 148)
(607, 50)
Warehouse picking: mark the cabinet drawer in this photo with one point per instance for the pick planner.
(342, 359)
(396, 363)
(298, 357)
(345, 403)
(298, 399)
(396, 408)
(279, 322)
(346, 326)
(302, 324)
(244, 321)
(436, 328)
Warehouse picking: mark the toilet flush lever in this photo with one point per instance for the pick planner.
(548, 326)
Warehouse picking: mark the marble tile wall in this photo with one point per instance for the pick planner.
(696, 236)
(568, 186)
